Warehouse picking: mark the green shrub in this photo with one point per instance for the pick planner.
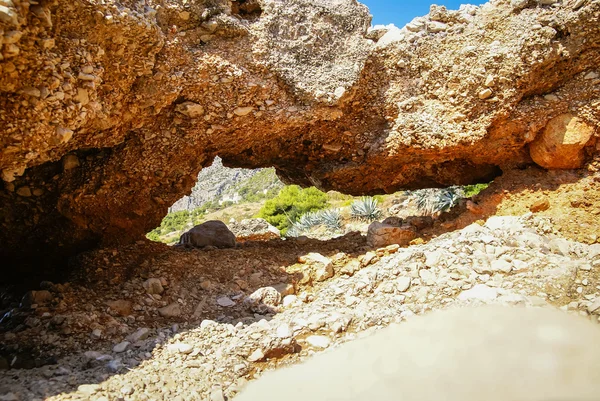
(175, 221)
(291, 203)
(472, 190)
(365, 209)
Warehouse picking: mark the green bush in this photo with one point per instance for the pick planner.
(175, 221)
(472, 190)
(291, 203)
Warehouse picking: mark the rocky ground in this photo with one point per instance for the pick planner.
(152, 322)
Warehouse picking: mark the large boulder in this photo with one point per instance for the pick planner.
(561, 143)
(212, 233)
(254, 230)
(470, 354)
(381, 235)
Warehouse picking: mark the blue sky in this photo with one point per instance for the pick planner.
(400, 12)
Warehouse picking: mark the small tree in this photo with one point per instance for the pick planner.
(292, 202)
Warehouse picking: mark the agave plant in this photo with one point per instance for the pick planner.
(365, 209)
(431, 201)
(331, 218)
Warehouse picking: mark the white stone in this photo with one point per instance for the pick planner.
(289, 300)
(284, 331)
(594, 306)
(403, 283)
(479, 292)
(501, 265)
(256, 356)
(318, 341)
(182, 348)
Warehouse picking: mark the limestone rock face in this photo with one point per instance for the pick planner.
(521, 343)
(561, 143)
(110, 108)
(381, 235)
(254, 230)
(212, 233)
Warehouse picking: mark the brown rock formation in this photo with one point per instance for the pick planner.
(561, 144)
(109, 109)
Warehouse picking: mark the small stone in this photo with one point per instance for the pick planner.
(591, 75)
(86, 77)
(519, 4)
(171, 310)
(289, 300)
(182, 348)
(190, 109)
(217, 395)
(594, 307)
(8, 15)
(485, 94)
(63, 134)
(88, 389)
(351, 267)
(501, 265)
(284, 331)
(318, 341)
(256, 356)
(403, 283)
(489, 81)
(153, 286)
(243, 111)
(427, 277)
(139, 335)
(127, 390)
(540, 205)
(24, 192)
(115, 365)
(479, 292)
(96, 334)
(121, 347)
(121, 307)
(225, 302)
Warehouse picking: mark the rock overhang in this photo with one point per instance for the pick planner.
(110, 109)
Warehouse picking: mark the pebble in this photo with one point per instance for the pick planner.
(403, 283)
(139, 335)
(485, 94)
(217, 395)
(480, 292)
(256, 356)
(594, 307)
(318, 341)
(153, 286)
(88, 389)
(121, 347)
(284, 331)
(182, 348)
(225, 302)
(171, 310)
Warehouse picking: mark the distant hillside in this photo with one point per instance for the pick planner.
(220, 185)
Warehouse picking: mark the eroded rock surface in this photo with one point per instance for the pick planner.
(109, 109)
